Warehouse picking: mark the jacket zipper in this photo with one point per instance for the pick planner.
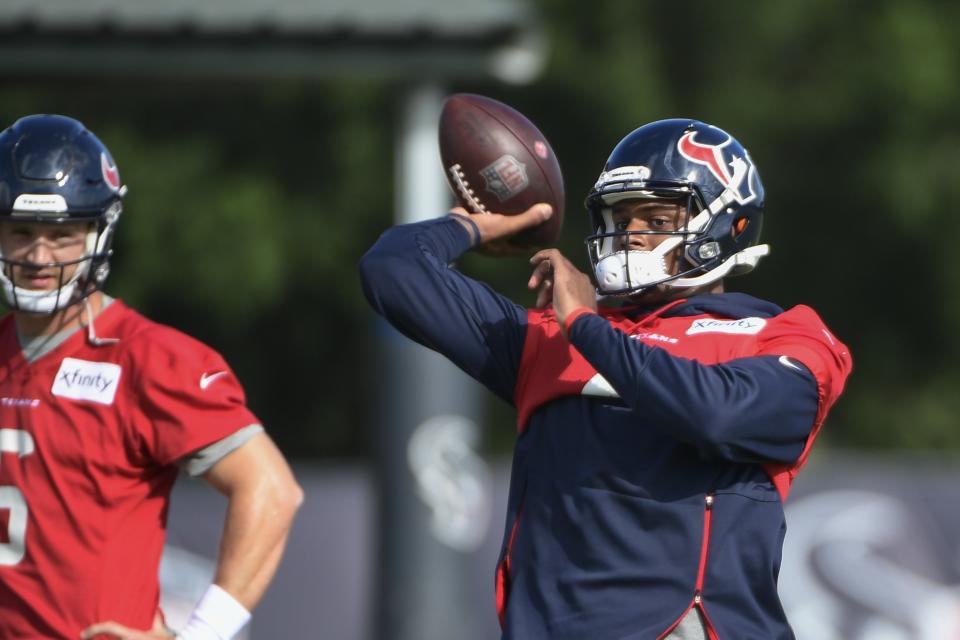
(701, 572)
(504, 571)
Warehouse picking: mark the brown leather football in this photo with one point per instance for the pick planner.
(497, 161)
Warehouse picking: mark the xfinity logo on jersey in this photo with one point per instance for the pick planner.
(743, 325)
(85, 380)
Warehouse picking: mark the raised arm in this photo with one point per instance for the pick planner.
(408, 279)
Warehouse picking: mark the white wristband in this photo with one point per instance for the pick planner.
(218, 616)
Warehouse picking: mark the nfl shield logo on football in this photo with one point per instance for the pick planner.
(506, 177)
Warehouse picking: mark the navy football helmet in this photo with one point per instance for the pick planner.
(53, 170)
(684, 161)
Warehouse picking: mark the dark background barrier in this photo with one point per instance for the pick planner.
(871, 552)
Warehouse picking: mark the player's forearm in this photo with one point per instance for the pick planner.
(255, 533)
(263, 499)
(750, 409)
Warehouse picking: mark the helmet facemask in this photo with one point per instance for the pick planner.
(89, 276)
(621, 269)
(701, 258)
(706, 170)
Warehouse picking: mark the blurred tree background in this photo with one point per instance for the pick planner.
(251, 202)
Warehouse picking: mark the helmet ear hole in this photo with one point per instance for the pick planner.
(739, 227)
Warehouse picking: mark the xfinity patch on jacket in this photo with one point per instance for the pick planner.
(743, 325)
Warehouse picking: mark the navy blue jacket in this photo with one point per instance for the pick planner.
(654, 448)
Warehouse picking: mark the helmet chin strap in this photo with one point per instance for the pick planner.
(44, 302)
(742, 261)
(91, 332)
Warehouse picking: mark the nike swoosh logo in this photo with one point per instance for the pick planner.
(787, 362)
(207, 379)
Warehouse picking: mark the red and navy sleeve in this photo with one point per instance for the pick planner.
(756, 409)
(408, 279)
(799, 335)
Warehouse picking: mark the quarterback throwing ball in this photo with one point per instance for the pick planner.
(659, 429)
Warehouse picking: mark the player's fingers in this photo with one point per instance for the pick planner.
(540, 273)
(494, 226)
(544, 295)
(544, 254)
(560, 267)
(533, 216)
(109, 628)
(159, 625)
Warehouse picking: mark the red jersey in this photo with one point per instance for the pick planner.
(90, 437)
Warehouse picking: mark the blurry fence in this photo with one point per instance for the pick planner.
(872, 552)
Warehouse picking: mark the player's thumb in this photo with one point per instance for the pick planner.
(535, 215)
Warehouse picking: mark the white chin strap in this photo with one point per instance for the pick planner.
(740, 262)
(629, 269)
(39, 301)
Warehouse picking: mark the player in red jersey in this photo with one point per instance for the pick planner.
(659, 430)
(100, 409)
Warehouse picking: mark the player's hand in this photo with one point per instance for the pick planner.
(557, 280)
(116, 630)
(495, 228)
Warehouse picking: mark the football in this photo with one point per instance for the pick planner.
(497, 161)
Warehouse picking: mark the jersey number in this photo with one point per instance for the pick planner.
(11, 552)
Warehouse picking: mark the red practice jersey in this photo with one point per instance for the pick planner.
(90, 437)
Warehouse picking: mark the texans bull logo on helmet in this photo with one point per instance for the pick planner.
(111, 176)
(720, 161)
